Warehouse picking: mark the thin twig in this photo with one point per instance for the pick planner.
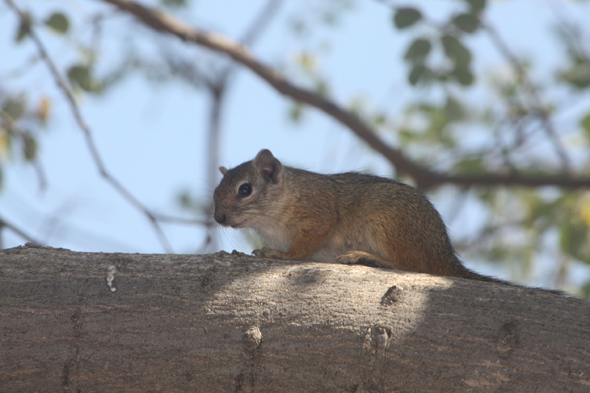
(218, 87)
(181, 220)
(19, 232)
(504, 151)
(161, 21)
(537, 104)
(61, 83)
(424, 177)
(257, 27)
(11, 124)
(217, 93)
(487, 233)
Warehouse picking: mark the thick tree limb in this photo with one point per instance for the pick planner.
(424, 177)
(96, 322)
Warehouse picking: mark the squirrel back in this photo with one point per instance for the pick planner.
(347, 217)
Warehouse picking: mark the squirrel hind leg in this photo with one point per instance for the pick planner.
(362, 258)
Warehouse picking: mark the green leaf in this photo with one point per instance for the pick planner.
(379, 119)
(321, 87)
(406, 16)
(5, 142)
(308, 62)
(58, 22)
(455, 50)
(30, 147)
(585, 123)
(408, 136)
(466, 22)
(418, 73)
(185, 200)
(477, 5)
(81, 77)
(23, 28)
(463, 75)
(453, 109)
(418, 50)
(578, 75)
(573, 235)
(296, 112)
(174, 3)
(471, 165)
(15, 106)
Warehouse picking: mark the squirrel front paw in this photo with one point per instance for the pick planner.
(266, 252)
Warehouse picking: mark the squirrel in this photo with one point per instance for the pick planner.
(347, 217)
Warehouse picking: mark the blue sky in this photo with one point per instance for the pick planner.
(152, 138)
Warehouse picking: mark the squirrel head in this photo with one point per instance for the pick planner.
(246, 192)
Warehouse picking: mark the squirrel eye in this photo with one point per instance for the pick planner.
(245, 190)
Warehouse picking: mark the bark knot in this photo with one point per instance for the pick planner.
(508, 337)
(76, 319)
(378, 338)
(392, 296)
(111, 271)
(251, 340)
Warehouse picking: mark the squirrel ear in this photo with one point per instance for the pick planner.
(223, 170)
(268, 166)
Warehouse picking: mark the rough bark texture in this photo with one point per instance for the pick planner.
(90, 322)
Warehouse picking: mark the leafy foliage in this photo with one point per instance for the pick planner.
(458, 69)
(467, 22)
(58, 22)
(477, 5)
(13, 110)
(174, 3)
(81, 77)
(405, 17)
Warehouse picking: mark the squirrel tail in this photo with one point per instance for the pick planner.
(466, 273)
(469, 274)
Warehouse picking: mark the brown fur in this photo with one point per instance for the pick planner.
(348, 217)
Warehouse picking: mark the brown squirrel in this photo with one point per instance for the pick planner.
(347, 217)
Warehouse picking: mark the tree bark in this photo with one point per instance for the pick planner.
(93, 322)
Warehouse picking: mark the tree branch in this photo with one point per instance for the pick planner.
(163, 22)
(257, 27)
(424, 177)
(117, 185)
(99, 322)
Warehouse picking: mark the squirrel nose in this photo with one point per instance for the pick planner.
(219, 217)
